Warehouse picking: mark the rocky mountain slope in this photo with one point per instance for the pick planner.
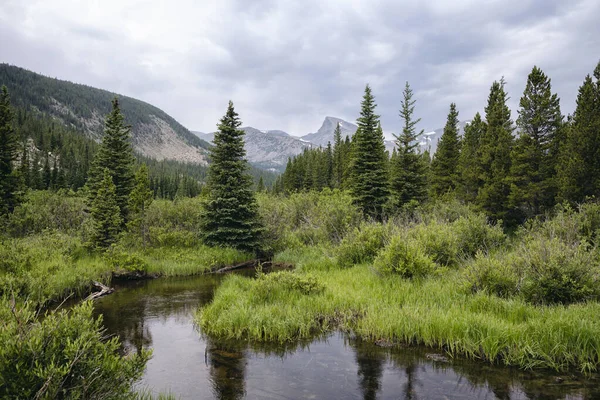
(325, 132)
(155, 134)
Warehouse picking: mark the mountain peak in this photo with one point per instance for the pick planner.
(325, 133)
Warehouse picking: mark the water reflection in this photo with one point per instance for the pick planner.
(157, 314)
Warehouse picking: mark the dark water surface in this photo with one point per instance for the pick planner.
(157, 314)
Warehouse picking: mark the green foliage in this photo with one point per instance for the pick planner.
(106, 214)
(269, 286)
(369, 180)
(534, 156)
(231, 218)
(541, 271)
(41, 210)
(444, 176)
(311, 218)
(408, 178)
(140, 199)
(362, 244)
(121, 261)
(115, 155)
(48, 267)
(64, 355)
(9, 180)
(496, 145)
(174, 223)
(579, 168)
(470, 163)
(404, 257)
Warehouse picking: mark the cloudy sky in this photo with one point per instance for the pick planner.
(288, 64)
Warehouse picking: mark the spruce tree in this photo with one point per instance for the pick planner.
(106, 215)
(444, 174)
(140, 199)
(496, 147)
(579, 169)
(9, 149)
(260, 187)
(369, 175)
(115, 154)
(470, 169)
(533, 160)
(231, 213)
(409, 171)
(338, 157)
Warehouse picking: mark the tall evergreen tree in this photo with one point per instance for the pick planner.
(115, 154)
(496, 147)
(579, 169)
(140, 199)
(338, 157)
(260, 186)
(409, 171)
(470, 168)
(444, 173)
(533, 160)
(106, 215)
(231, 217)
(369, 174)
(9, 149)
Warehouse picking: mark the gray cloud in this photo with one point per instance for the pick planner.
(288, 64)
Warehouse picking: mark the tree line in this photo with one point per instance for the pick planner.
(512, 171)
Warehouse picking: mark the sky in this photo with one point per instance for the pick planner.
(288, 64)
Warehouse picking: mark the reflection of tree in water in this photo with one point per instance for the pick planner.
(370, 369)
(411, 380)
(227, 368)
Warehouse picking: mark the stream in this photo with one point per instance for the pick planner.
(158, 314)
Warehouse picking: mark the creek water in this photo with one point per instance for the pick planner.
(158, 314)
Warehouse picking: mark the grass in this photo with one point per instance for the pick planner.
(52, 266)
(435, 312)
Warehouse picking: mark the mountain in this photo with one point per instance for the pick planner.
(429, 140)
(325, 132)
(155, 134)
(268, 150)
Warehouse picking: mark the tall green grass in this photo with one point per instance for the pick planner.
(436, 312)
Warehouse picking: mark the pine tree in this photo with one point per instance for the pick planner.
(496, 147)
(444, 174)
(260, 187)
(533, 159)
(369, 175)
(9, 149)
(116, 155)
(470, 169)
(579, 169)
(409, 171)
(140, 199)
(231, 217)
(328, 166)
(338, 157)
(105, 212)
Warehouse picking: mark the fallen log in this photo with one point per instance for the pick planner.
(104, 290)
(247, 264)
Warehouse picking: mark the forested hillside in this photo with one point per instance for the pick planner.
(155, 134)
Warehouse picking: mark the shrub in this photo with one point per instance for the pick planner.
(363, 244)
(309, 218)
(269, 286)
(127, 262)
(405, 257)
(61, 211)
(63, 355)
(541, 270)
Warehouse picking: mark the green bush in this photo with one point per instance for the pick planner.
(269, 286)
(404, 257)
(174, 223)
(310, 218)
(449, 243)
(126, 262)
(61, 211)
(363, 244)
(541, 271)
(62, 356)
